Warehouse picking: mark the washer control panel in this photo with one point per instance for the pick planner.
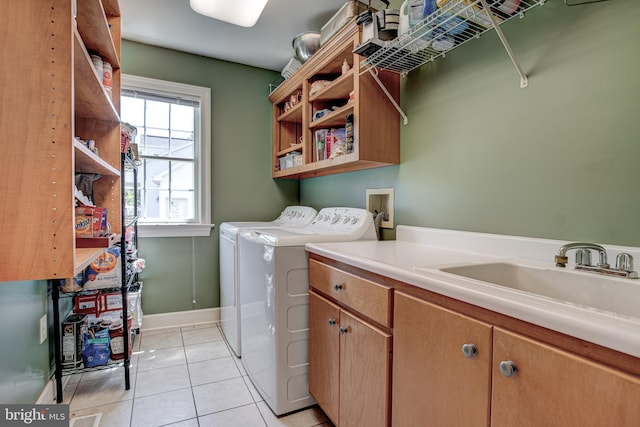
(293, 216)
(341, 220)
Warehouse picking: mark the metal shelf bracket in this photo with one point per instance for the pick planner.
(405, 119)
(524, 81)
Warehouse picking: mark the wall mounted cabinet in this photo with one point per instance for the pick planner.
(320, 86)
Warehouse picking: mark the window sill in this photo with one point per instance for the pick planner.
(175, 230)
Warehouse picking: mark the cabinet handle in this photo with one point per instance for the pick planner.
(338, 286)
(343, 330)
(332, 322)
(508, 368)
(469, 350)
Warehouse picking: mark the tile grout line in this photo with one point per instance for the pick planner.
(197, 416)
(193, 396)
(135, 380)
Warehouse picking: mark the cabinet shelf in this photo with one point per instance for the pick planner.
(293, 115)
(94, 29)
(334, 119)
(345, 163)
(91, 100)
(84, 257)
(88, 162)
(337, 89)
(296, 147)
(452, 25)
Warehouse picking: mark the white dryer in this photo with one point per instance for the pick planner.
(291, 216)
(274, 294)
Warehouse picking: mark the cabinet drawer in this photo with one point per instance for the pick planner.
(364, 296)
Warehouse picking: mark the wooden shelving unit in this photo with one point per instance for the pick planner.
(51, 94)
(376, 122)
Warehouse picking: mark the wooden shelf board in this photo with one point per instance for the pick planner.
(338, 89)
(84, 257)
(334, 119)
(111, 7)
(94, 30)
(346, 163)
(91, 100)
(87, 161)
(297, 147)
(293, 115)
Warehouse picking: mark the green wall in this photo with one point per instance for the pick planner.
(559, 159)
(242, 188)
(25, 362)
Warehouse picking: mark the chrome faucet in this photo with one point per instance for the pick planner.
(561, 258)
(624, 261)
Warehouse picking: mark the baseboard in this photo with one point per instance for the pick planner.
(177, 319)
(48, 394)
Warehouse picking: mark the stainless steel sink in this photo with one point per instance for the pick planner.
(619, 296)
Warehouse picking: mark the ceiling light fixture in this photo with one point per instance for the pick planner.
(244, 13)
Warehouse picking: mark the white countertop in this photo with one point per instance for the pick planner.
(417, 254)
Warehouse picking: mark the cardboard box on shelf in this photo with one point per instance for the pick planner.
(91, 221)
(104, 271)
(87, 303)
(73, 329)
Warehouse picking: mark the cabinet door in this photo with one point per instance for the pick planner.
(365, 369)
(324, 348)
(554, 388)
(434, 384)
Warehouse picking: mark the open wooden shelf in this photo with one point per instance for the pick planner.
(376, 122)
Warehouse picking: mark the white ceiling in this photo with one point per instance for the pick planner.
(172, 24)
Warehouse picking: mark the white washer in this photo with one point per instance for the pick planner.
(274, 296)
(291, 216)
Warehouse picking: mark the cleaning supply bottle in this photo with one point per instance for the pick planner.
(420, 9)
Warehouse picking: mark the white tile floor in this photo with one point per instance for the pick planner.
(180, 377)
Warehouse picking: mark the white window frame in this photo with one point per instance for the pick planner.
(202, 227)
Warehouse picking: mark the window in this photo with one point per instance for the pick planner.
(173, 123)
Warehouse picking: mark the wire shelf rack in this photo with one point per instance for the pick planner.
(452, 25)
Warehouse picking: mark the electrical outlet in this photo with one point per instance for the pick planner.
(43, 328)
(381, 200)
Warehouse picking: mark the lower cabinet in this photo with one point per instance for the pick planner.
(324, 354)
(552, 387)
(453, 370)
(349, 365)
(441, 366)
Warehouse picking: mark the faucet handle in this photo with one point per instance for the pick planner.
(583, 257)
(624, 262)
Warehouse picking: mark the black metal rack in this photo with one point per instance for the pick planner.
(128, 278)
